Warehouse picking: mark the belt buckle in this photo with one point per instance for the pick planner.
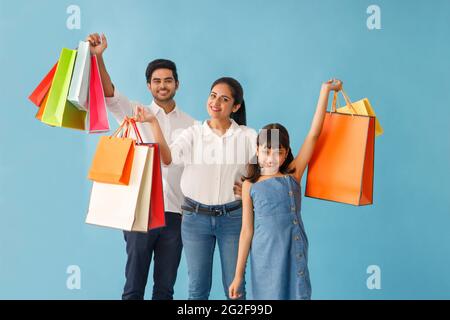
(218, 212)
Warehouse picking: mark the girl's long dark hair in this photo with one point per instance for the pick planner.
(265, 139)
(238, 96)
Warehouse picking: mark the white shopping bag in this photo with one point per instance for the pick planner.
(125, 207)
(79, 86)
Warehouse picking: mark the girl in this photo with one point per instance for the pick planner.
(272, 225)
(214, 155)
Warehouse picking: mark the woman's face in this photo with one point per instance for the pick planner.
(271, 159)
(220, 102)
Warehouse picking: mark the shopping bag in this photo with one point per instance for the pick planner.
(113, 159)
(59, 111)
(79, 86)
(124, 207)
(157, 214)
(38, 95)
(98, 117)
(42, 108)
(363, 108)
(342, 166)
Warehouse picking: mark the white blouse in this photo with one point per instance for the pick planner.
(213, 163)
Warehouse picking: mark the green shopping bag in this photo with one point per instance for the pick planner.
(59, 112)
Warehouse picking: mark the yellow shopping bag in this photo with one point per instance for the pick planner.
(363, 108)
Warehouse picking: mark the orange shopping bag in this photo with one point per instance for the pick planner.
(113, 158)
(341, 168)
(42, 108)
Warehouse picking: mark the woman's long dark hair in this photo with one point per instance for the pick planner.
(265, 139)
(238, 95)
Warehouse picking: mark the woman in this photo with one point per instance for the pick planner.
(214, 155)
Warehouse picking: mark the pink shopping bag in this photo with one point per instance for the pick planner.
(98, 117)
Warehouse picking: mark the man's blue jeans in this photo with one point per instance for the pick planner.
(166, 246)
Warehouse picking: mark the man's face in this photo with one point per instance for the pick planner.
(163, 85)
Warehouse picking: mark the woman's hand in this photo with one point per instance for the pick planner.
(233, 290)
(332, 85)
(143, 114)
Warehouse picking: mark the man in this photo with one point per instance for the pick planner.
(164, 244)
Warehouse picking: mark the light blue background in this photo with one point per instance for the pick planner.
(281, 51)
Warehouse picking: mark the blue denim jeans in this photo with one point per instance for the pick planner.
(166, 246)
(199, 233)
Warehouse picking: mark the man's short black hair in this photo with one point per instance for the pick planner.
(161, 64)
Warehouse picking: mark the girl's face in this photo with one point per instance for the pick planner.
(220, 102)
(271, 159)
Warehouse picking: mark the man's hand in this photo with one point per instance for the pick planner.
(98, 44)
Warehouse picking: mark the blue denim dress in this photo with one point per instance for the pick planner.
(279, 251)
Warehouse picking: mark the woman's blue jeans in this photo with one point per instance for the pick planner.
(199, 233)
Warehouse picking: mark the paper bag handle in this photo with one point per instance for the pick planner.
(347, 100)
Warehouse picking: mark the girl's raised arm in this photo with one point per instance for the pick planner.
(306, 151)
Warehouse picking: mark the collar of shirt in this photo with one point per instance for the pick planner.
(207, 129)
(155, 108)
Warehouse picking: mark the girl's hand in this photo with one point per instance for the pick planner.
(233, 290)
(143, 114)
(332, 85)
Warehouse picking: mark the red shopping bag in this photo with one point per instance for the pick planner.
(42, 89)
(157, 216)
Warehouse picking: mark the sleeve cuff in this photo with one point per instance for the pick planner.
(114, 99)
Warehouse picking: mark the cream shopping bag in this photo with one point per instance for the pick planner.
(79, 85)
(125, 207)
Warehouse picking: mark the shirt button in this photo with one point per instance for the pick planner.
(290, 193)
(292, 208)
(300, 273)
(296, 238)
(299, 256)
(295, 221)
